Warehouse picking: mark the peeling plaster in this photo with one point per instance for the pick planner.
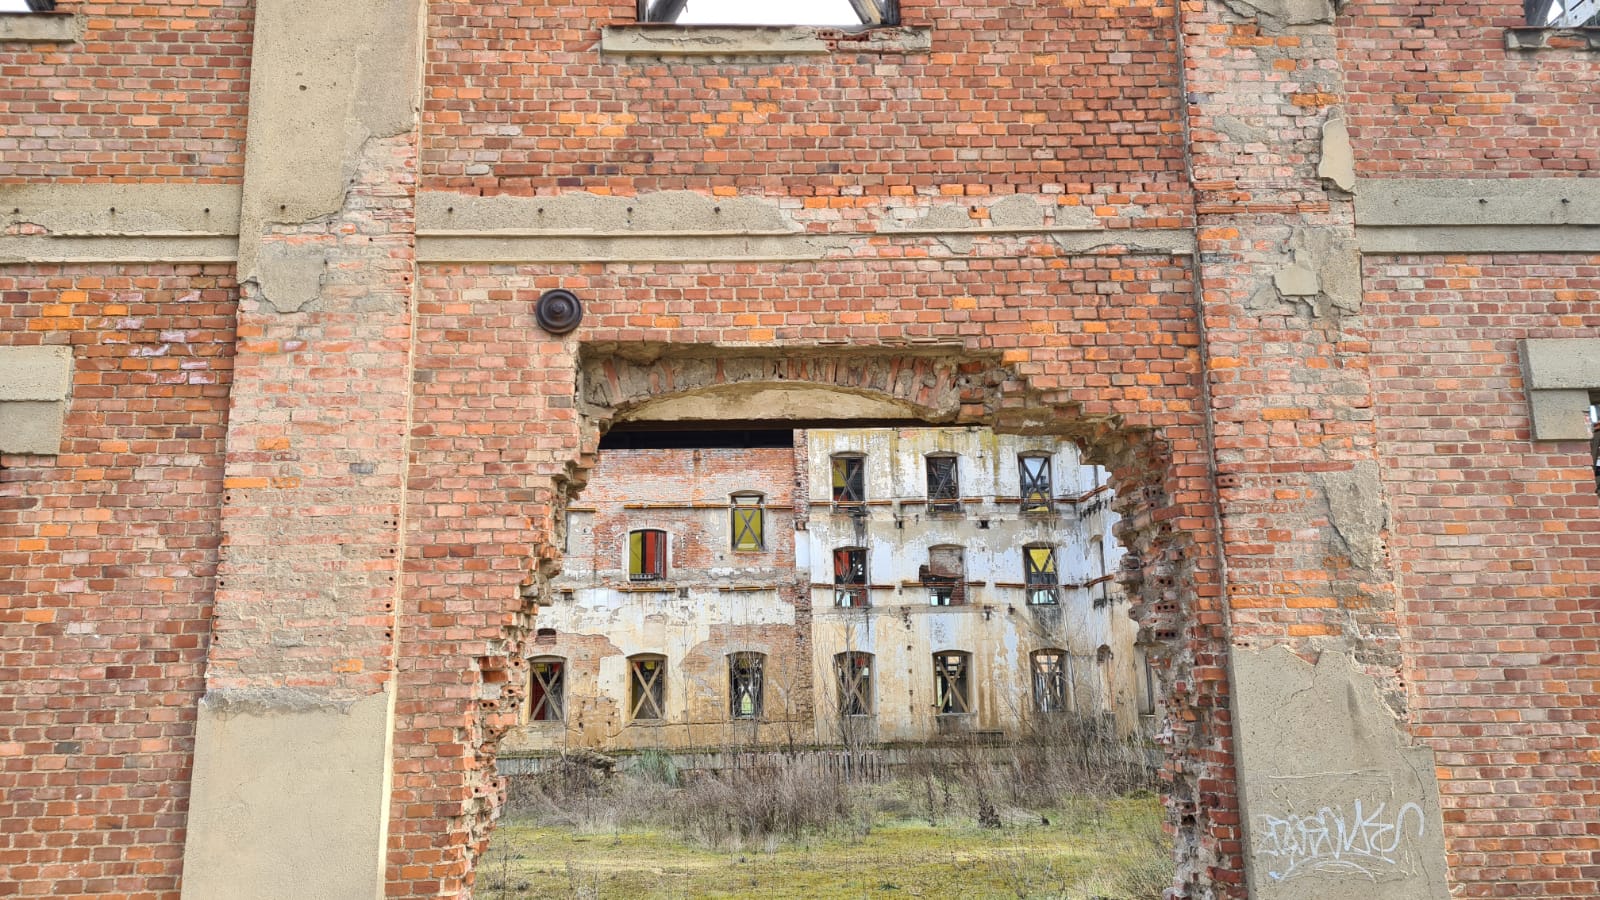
(1357, 511)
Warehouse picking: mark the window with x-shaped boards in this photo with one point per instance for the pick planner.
(853, 671)
(547, 677)
(647, 687)
(952, 683)
(1033, 472)
(746, 674)
(746, 522)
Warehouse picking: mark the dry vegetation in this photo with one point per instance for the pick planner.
(1066, 813)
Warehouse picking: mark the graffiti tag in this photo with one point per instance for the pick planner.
(1349, 839)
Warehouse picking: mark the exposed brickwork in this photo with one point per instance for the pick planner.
(1434, 93)
(108, 554)
(1497, 586)
(152, 92)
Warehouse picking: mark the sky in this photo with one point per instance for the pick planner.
(768, 12)
(13, 6)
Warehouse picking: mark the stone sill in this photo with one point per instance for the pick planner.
(38, 27)
(642, 39)
(1531, 38)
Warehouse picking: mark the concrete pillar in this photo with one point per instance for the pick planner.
(292, 758)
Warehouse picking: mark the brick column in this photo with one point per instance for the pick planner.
(1319, 731)
(294, 741)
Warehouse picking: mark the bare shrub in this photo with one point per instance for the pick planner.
(1062, 756)
(746, 806)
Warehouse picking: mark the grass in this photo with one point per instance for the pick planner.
(1090, 848)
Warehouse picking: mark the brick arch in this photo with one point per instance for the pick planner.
(1162, 571)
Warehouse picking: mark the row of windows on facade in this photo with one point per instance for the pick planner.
(944, 574)
(853, 672)
(943, 481)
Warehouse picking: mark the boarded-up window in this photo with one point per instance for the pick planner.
(850, 576)
(647, 687)
(748, 522)
(1052, 681)
(746, 675)
(647, 555)
(952, 685)
(944, 485)
(1039, 575)
(849, 479)
(945, 575)
(854, 674)
(1034, 472)
(547, 688)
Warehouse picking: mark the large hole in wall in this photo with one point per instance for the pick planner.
(687, 398)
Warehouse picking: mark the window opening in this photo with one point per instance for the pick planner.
(850, 576)
(849, 479)
(945, 575)
(1039, 575)
(647, 555)
(748, 521)
(1034, 473)
(944, 488)
(547, 689)
(952, 692)
(647, 687)
(745, 677)
(838, 13)
(854, 671)
(1052, 680)
(1562, 13)
(1147, 696)
(1103, 657)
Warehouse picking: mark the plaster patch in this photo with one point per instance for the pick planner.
(1275, 15)
(1357, 511)
(1337, 165)
(289, 276)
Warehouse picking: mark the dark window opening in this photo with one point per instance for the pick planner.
(1562, 13)
(1051, 681)
(850, 576)
(647, 555)
(952, 689)
(1039, 576)
(1034, 472)
(41, 5)
(849, 479)
(745, 684)
(944, 486)
(707, 438)
(547, 690)
(835, 13)
(647, 687)
(945, 575)
(854, 674)
(747, 521)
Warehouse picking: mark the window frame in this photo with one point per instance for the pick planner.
(952, 683)
(1035, 491)
(1060, 672)
(852, 492)
(1033, 577)
(541, 697)
(945, 589)
(943, 488)
(755, 509)
(640, 572)
(853, 677)
(653, 689)
(850, 585)
(871, 14)
(751, 665)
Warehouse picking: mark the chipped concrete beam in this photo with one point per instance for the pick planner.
(1441, 202)
(60, 223)
(1559, 375)
(1418, 239)
(1320, 753)
(40, 28)
(710, 40)
(35, 385)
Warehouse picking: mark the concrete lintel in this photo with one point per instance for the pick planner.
(28, 426)
(710, 40)
(1434, 202)
(23, 249)
(1536, 38)
(289, 795)
(1562, 363)
(1416, 239)
(1559, 415)
(39, 27)
(121, 209)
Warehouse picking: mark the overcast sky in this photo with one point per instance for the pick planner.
(13, 5)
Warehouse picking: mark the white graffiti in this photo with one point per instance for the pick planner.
(1348, 839)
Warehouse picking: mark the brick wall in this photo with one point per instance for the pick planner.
(152, 92)
(107, 560)
(1496, 541)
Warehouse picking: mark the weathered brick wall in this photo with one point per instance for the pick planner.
(1433, 92)
(108, 554)
(1495, 537)
(153, 92)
